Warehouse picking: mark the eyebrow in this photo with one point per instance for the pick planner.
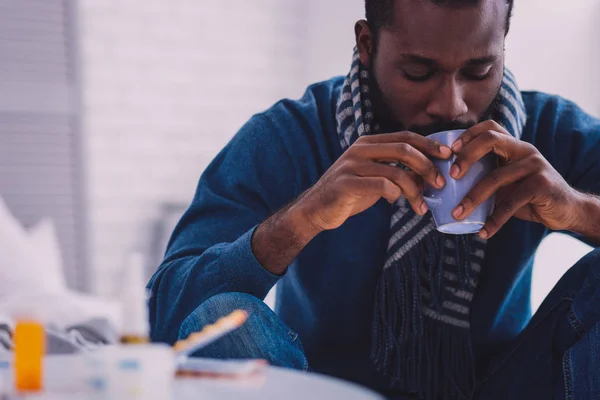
(482, 60)
(431, 62)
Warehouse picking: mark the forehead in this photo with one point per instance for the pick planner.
(447, 32)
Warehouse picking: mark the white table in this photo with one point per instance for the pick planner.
(277, 383)
(272, 383)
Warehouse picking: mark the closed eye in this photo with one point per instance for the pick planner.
(478, 73)
(418, 78)
(417, 72)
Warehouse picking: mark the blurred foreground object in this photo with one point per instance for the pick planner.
(30, 343)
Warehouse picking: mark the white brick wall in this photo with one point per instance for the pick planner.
(556, 48)
(165, 85)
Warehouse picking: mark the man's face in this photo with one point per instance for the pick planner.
(436, 67)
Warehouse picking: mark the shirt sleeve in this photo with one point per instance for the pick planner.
(578, 146)
(570, 139)
(210, 250)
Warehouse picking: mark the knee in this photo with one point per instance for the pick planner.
(263, 336)
(595, 257)
(221, 305)
(588, 267)
(594, 261)
(587, 296)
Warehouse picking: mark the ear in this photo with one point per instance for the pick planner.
(364, 42)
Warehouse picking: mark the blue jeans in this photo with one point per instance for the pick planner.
(556, 356)
(263, 336)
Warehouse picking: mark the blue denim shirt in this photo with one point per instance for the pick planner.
(326, 296)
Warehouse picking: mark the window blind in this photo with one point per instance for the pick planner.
(40, 152)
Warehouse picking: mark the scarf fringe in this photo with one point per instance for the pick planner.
(418, 351)
(419, 354)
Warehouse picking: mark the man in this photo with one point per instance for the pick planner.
(309, 195)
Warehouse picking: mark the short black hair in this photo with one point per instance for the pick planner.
(379, 12)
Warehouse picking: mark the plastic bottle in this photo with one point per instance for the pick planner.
(30, 347)
(134, 299)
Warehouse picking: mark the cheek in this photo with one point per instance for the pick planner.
(408, 103)
(480, 95)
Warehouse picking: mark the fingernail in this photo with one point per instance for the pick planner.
(458, 211)
(424, 208)
(483, 234)
(446, 152)
(457, 146)
(454, 171)
(440, 181)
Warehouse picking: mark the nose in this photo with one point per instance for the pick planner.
(447, 102)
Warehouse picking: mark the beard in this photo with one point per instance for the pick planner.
(388, 123)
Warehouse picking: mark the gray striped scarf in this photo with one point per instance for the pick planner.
(421, 328)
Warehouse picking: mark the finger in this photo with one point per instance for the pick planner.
(490, 184)
(416, 178)
(410, 188)
(504, 192)
(487, 142)
(376, 186)
(425, 145)
(507, 209)
(526, 213)
(407, 155)
(467, 136)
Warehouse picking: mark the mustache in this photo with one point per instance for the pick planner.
(426, 130)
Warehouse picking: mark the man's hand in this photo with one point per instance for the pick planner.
(356, 181)
(527, 186)
(362, 176)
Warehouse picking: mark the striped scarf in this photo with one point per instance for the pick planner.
(421, 327)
